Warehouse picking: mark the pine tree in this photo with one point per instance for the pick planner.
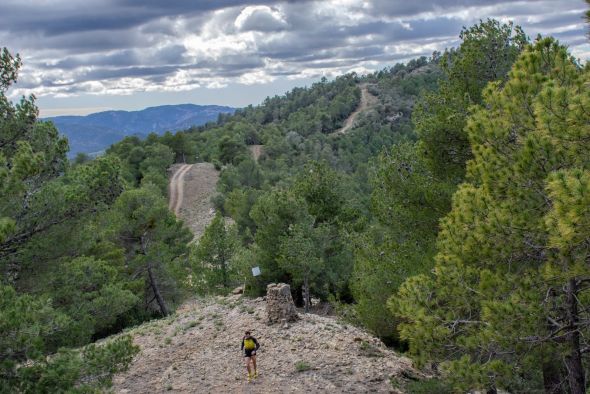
(51, 299)
(301, 255)
(413, 182)
(486, 54)
(211, 258)
(408, 201)
(31, 152)
(505, 304)
(155, 243)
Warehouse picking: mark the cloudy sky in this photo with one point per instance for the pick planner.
(83, 56)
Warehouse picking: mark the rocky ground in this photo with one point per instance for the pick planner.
(197, 351)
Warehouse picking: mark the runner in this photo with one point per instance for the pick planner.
(250, 345)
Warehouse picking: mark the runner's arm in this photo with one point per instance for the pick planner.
(242, 347)
(257, 344)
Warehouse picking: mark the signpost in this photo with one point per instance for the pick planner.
(255, 273)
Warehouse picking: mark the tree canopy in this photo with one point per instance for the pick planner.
(504, 307)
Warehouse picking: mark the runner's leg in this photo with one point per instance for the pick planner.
(247, 360)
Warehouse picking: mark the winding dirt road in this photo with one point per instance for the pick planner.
(367, 100)
(190, 191)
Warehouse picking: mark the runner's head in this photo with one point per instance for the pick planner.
(247, 332)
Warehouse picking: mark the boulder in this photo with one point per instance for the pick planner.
(279, 304)
(238, 290)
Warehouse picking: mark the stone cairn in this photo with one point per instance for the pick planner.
(279, 304)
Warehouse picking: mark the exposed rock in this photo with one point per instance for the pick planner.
(284, 323)
(280, 307)
(238, 290)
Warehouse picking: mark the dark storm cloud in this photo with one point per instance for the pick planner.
(556, 21)
(117, 59)
(409, 8)
(81, 42)
(62, 16)
(325, 42)
(174, 54)
(128, 72)
(115, 46)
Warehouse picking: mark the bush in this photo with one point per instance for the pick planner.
(428, 386)
(86, 370)
(302, 366)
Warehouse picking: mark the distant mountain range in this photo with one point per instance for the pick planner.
(96, 132)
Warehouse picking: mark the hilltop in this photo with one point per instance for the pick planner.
(197, 350)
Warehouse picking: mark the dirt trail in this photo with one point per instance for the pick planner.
(367, 101)
(197, 351)
(191, 189)
(176, 188)
(256, 151)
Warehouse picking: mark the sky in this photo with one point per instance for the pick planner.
(83, 56)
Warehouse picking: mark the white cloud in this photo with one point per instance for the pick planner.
(260, 18)
(255, 77)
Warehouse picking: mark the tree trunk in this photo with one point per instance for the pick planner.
(306, 293)
(224, 271)
(298, 297)
(552, 377)
(552, 369)
(152, 279)
(157, 294)
(573, 360)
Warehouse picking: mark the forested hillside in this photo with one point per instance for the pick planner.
(308, 193)
(452, 220)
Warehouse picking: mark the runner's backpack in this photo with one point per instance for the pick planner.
(249, 344)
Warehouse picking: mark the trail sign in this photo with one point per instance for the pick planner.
(256, 271)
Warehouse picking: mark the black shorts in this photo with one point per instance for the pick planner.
(249, 353)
